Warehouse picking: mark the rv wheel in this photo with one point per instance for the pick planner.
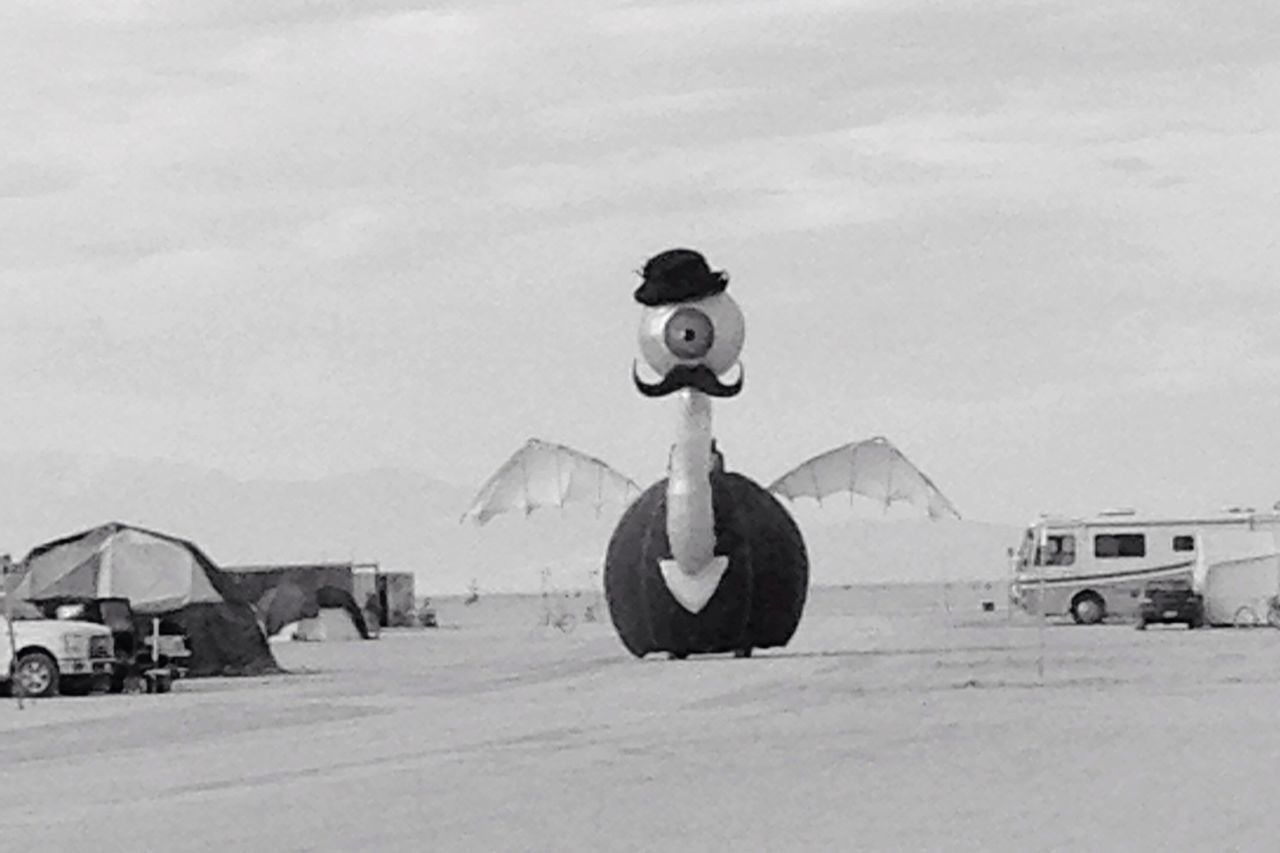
(1088, 609)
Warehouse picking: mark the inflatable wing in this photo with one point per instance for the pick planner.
(873, 468)
(543, 474)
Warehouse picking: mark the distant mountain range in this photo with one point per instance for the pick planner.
(406, 520)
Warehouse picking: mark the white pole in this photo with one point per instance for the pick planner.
(6, 566)
(1041, 546)
(1013, 579)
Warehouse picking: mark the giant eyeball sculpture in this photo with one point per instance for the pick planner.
(690, 345)
(705, 560)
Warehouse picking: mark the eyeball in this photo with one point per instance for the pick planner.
(705, 331)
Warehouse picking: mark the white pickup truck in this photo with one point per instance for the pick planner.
(55, 656)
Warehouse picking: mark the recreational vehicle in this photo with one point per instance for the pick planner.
(1098, 567)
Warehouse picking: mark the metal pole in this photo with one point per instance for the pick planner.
(1009, 589)
(1039, 559)
(6, 566)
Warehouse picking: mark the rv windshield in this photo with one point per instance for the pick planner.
(1058, 549)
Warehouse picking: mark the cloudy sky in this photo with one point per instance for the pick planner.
(1033, 243)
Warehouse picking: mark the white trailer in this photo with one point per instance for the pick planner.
(1240, 591)
(1097, 567)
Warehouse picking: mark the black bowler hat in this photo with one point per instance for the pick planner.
(678, 275)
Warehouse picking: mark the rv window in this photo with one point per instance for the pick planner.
(1184, 543)
(1057, 551)
(1108, 545)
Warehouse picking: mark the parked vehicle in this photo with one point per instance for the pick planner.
(1098, 567)
(1171, 602)
(55, 656)
(148, 657)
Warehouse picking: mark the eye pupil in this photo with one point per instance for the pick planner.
(689, 333)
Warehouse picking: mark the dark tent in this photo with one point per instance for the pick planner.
(290, 593)
(162, 576)
(332, 596)
(283, 604)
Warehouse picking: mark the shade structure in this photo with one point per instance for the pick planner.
(158, 574)
(161, 576)
(287, 593)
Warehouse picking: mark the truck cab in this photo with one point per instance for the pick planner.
(148, 654)
(55, 656)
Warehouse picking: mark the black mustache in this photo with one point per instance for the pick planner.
(696, 376)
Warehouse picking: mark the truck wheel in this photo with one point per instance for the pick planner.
(37, 675)
(1088, 609)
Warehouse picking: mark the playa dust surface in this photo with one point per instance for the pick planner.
(896, 720)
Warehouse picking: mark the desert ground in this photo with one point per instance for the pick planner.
(898, 719)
